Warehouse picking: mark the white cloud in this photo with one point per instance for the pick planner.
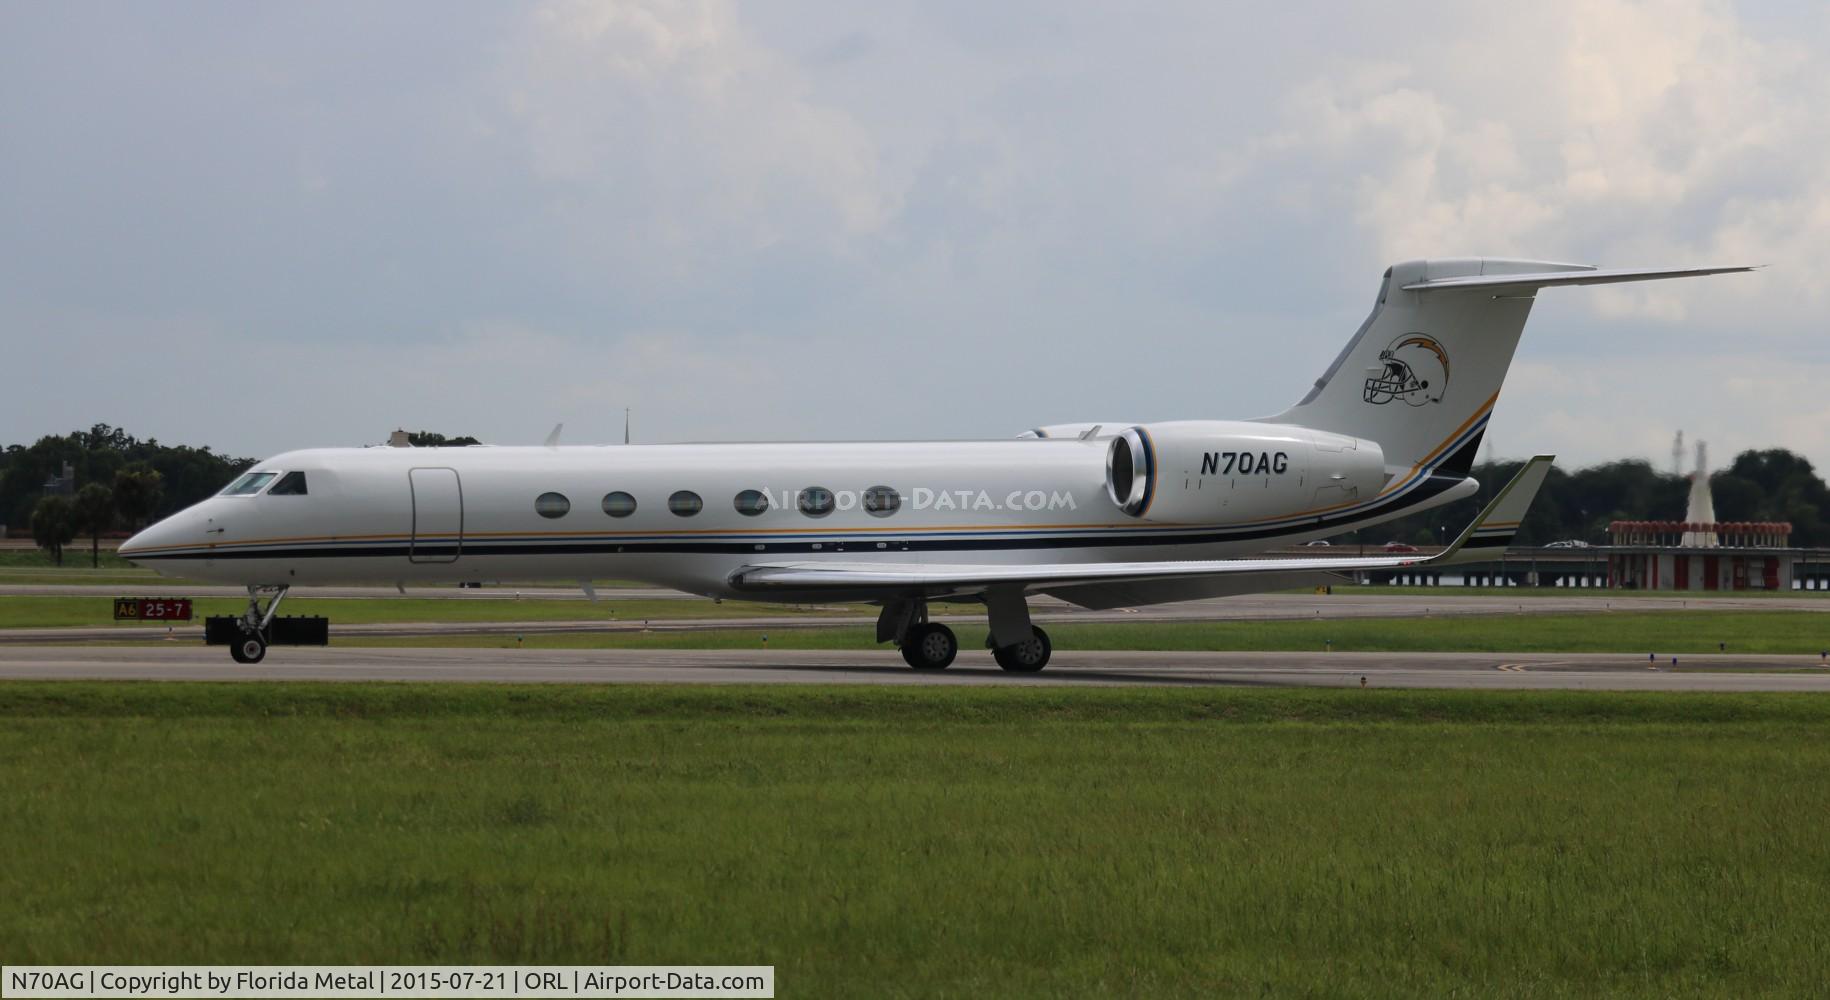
(498, 381)
(1734, 401)
(665, 134)
(1607, 129)
(807, 218)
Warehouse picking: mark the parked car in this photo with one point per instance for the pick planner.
(1399, 547)
(1318, 543)
(1569, 543)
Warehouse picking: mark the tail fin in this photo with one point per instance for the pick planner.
(1424, 371)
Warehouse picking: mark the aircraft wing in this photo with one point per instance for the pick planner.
(1488, 535)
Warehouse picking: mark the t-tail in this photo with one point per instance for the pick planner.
(1423, 373)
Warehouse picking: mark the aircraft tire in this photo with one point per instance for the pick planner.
(1026, 657)
(250, 648)
(930, 646)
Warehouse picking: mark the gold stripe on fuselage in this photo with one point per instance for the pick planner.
(865, 529)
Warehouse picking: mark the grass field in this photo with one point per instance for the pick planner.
(83, 577)
(76, 557)
(1622, 632)
(936, 841)
(35, 567)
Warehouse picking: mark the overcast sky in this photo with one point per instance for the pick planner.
(268, 226)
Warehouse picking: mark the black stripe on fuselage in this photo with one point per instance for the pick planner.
(1432, 487)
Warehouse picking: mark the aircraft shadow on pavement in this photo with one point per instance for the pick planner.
(1056, 677)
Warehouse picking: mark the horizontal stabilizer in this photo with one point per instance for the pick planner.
(1587, 276)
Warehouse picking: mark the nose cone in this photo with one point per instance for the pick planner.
(167, 535)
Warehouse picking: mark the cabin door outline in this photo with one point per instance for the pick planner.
(438, 515)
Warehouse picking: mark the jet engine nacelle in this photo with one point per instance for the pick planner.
(1228, 472)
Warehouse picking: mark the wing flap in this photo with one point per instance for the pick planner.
(958, 576)
(1492, 529)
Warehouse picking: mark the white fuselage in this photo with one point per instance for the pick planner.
(1099, 516)
(426, 515)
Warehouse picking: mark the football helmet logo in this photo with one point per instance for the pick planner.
(1414, 369)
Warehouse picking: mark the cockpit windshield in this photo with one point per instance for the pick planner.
(248, 485)
(292, 484)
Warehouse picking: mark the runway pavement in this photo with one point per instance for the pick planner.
(603, 616)
(1621, 672)
(156, 589)
(193, 631)
(1346, 601)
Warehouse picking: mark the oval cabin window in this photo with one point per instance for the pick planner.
(882, 501)
(815, 501)
(619, 504)
(750, 503)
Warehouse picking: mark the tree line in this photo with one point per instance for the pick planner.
(127, 483)
(1770, 484)
(124, 484)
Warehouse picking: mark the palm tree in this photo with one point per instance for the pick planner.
(53, 525)
(94, 515)
(137, 491)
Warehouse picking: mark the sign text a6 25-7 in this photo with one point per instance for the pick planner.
(152, 609)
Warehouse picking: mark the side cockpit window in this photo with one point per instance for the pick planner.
(248, 484)
(292, 484)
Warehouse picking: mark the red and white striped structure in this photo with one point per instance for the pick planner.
(1746, 555)
(1729, 534)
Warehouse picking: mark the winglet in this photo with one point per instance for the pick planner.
(1492, 531)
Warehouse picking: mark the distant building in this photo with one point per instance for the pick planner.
(1699, 552)
(1702, 555)
(62, 486)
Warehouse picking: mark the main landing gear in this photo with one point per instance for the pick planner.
(930, 646)
(1028, 656)
(249, 634)
(1016, 644)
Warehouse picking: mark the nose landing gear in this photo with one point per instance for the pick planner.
(251, 647)
(249, 634)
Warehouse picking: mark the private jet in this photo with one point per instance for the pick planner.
(1099, 514)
